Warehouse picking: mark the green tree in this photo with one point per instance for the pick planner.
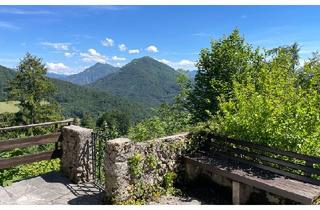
(169, 118)
(217, 68)
(88, 121)
(270, 107)
(34, 91)
(115, 120)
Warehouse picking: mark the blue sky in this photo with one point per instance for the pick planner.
(71, 38)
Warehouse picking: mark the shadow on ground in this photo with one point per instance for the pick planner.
(51, 188)
(207, 192)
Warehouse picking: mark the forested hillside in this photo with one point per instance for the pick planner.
(76, 100)
(5, 75)
(144, 80)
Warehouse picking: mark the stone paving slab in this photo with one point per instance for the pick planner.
(51, 188)
(174, 200)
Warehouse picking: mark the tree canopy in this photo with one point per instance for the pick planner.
(34, 91)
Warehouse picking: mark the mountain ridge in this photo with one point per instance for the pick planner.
(144, 80)
(75, 100)
(91, 74)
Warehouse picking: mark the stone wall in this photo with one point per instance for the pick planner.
(76, 161)
(155, 159)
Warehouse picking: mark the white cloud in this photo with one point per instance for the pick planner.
(107, 42)
(116, 58)
(186, 62)
(69, 54)
(122, 47)
(165, 61)
(15, 11)
(7, 25)
(152, 49)
(93, 56)
(119, 64)
(183, 64)
(57, 45)
(135, 51)
(58, 68)
(61, 68)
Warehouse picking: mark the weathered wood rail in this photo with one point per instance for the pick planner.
(12, 144)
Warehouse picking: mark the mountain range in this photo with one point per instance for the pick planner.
(135, 88)
(91, 74)
(75, 100)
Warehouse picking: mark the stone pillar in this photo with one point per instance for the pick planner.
(240, 193)
(76, 161)
(117, 169)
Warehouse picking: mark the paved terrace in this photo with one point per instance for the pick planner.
(55, 189)
(50, 188)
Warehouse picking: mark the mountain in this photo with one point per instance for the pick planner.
(76, 100)
(5, 75)
(144, 80)
(56, 76)
(191, 74)
(91, 74)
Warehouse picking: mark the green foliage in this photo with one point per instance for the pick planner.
(141, 192)
(5, 75)
(148, 129)
(115, 120)
(168, 180)
(272, 105)
(8, 176)
(169, 118)
(6, 120)
(34, 91)
(152, 162)
(218, 67)
(88, 121)
(136, 165)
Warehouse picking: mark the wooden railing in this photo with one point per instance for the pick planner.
(12, 144)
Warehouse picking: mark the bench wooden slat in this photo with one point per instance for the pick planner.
(25, 159)
(294, 190)
(271, 169)
(31, 141)
(268, 149)
(287, 164)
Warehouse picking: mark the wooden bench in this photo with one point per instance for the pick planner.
(283, 173)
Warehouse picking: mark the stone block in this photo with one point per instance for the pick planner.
(118, 152)
(76, 153)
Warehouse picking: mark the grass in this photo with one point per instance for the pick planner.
(9, 107)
